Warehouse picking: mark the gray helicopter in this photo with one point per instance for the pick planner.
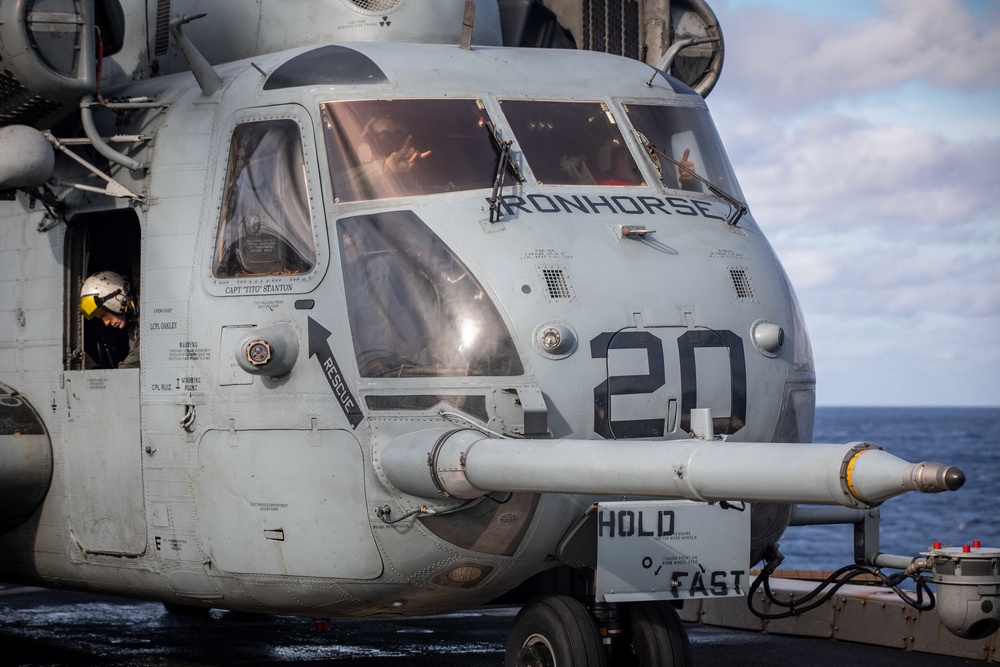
(361, 308)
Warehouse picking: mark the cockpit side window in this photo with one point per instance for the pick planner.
(688, 136)
(571, 143)
(415, 309)
(379, 149)
(266, 225)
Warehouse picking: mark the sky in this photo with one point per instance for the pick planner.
(866, 138)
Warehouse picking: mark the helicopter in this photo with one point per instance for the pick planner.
(429, 316)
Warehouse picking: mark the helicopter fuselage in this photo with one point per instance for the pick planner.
(390, 292)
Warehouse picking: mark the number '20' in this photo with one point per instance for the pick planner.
(655, 378)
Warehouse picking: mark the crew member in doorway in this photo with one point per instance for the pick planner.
(106, 296)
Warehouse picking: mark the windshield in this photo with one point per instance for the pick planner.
(688, 137)
(395, 148)
(415, 309)
(571, 143)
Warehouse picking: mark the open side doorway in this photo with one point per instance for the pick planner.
(100, 421)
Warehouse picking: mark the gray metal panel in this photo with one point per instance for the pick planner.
(103, 460)
(230, 372)
(285, 502)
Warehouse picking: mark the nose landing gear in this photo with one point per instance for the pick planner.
(554, 631)
(558, 631)
(654, 637)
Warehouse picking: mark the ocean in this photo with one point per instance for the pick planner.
(966, 437)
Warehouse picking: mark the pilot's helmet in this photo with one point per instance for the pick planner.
(107, 290)
(384, 135)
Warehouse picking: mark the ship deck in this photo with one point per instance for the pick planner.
(40, 626)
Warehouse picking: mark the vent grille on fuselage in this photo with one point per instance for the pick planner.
(741, 283)
(18, 106)
(557, 285)
(374, 7)
(612, 26)
(161, 40)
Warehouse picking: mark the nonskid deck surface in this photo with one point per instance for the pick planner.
(46, 627)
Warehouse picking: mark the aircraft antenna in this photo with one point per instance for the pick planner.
(468, 20)
(208, 79)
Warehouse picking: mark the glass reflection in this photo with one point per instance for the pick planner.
(415, 310)
(379, 149)
(688, 136)
(571, 143)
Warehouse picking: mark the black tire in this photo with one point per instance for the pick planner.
(554, 631)
(654, 637)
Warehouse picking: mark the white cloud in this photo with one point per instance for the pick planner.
(796, 59)
(834, 175)
(898, 281)
(880, 200)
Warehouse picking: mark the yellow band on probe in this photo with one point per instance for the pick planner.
(850, 474)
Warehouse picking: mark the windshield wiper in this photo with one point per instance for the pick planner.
(505, 161)
(738, 207)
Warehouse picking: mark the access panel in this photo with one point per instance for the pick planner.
(288, 502)
(102, 455)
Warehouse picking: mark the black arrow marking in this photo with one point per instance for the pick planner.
(657, 571)
(319, 347)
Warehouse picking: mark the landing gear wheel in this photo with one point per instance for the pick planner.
(654, 637)
(554, 631)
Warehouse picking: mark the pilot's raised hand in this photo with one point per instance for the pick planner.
(686, 171)
(405, 158)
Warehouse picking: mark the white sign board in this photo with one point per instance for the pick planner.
(672, 550)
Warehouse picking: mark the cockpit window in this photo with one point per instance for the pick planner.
(415, 309)
(687, 136)
(396, 148)
(571, 143)
(266, 225)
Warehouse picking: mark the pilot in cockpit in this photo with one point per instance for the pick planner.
(679, 174)
(386, 161)
(618, 168)
(386, 143)
(616, 165)
(685, 172)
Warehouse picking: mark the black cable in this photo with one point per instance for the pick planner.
(838, 579)
(510, 494)
(923, 588)
(385, 511)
